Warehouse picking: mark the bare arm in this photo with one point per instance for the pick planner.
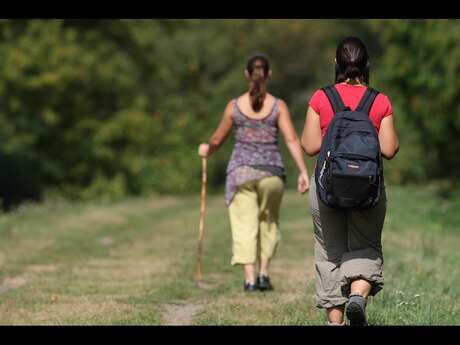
(221, 133)
(290, 137)
(388, 138)
(293, 144)
(311, 135)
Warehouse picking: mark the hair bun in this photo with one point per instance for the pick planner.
(352, 71)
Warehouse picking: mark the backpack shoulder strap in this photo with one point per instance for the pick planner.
(367, 100)
(334, 98)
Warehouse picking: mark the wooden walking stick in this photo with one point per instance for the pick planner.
(199, 271)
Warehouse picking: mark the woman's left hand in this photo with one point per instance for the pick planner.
(203, 150)
(303, 183)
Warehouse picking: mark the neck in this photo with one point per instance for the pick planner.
(355, 81)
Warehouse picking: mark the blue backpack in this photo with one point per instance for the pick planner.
(349, 170)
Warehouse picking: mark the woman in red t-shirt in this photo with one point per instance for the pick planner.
(348, 249)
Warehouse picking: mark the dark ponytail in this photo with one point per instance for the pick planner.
(352, 60)
(258, 68)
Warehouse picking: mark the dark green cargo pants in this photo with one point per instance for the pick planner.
(347, 246)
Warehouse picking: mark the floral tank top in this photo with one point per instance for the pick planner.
(256, 154)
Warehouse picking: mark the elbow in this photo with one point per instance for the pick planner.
(310, 152)
(214, 143)
(396, 149)
(387, 156)
(309, 149)
(304, 146)
(391, 152)
(292, 141)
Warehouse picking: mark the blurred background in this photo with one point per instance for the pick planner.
(104, 109)
(100, 121)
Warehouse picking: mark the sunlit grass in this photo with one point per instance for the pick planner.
(133, 262)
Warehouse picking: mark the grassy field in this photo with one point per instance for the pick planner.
(133, 262)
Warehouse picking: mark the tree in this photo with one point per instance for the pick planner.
(421, 64)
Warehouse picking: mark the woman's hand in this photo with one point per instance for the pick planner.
(203, 150)
(303, 183)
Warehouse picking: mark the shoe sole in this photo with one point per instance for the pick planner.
(356, 315)
(266, 289)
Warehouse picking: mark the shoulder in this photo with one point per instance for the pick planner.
(318, 94)
(231, 104)
(381, 97)
(277, 102)
(230, 107)
(382, 102)
(281, 104)
(317, 100)
(281, 108)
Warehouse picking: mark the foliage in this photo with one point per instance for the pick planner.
(420, 66)
(109, 108)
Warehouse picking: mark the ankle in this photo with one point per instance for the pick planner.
(330, 323)
(263, 274)
(358, 294)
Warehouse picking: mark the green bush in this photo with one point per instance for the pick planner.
(109, 108)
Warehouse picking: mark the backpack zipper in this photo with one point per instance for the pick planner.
(353, 155)
(369, 177)
(322, 169)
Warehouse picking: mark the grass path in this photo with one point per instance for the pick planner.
(133, 262)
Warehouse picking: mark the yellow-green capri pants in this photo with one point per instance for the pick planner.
(254, 213)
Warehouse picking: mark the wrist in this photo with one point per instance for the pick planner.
(212, 148)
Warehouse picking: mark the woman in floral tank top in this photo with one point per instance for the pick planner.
(255, 172)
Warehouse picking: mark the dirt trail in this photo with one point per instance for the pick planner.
(31, 272)
(180, 314)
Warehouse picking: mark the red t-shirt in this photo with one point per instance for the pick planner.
(351, 95)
